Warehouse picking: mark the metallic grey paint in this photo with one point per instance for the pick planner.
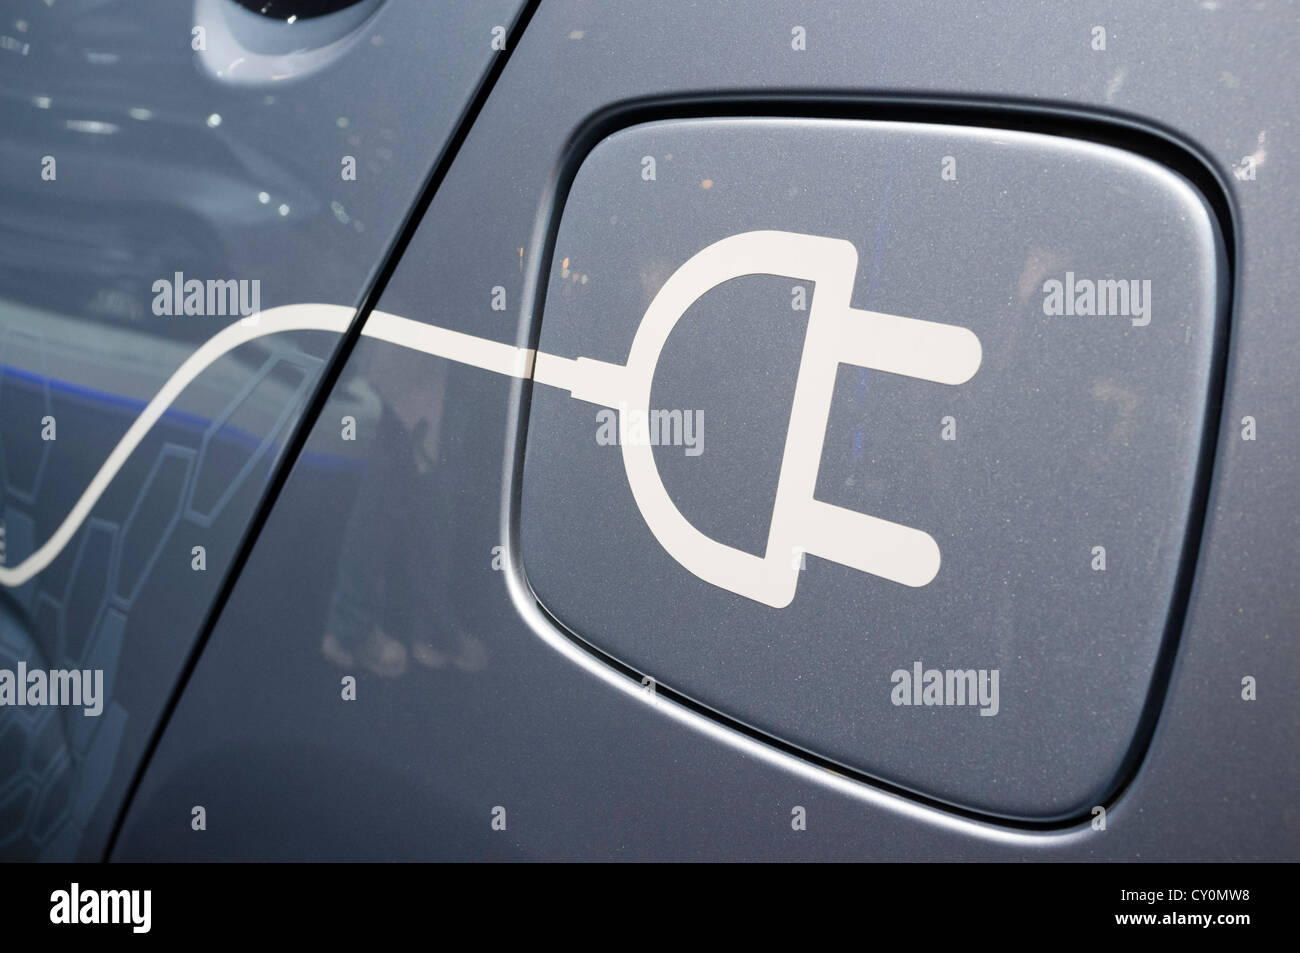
(162, 167)
(505, 711)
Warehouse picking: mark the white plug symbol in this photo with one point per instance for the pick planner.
(837, 334)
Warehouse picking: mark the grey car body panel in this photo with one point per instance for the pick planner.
(163, 163)
(1075, 430)
(496, 712)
